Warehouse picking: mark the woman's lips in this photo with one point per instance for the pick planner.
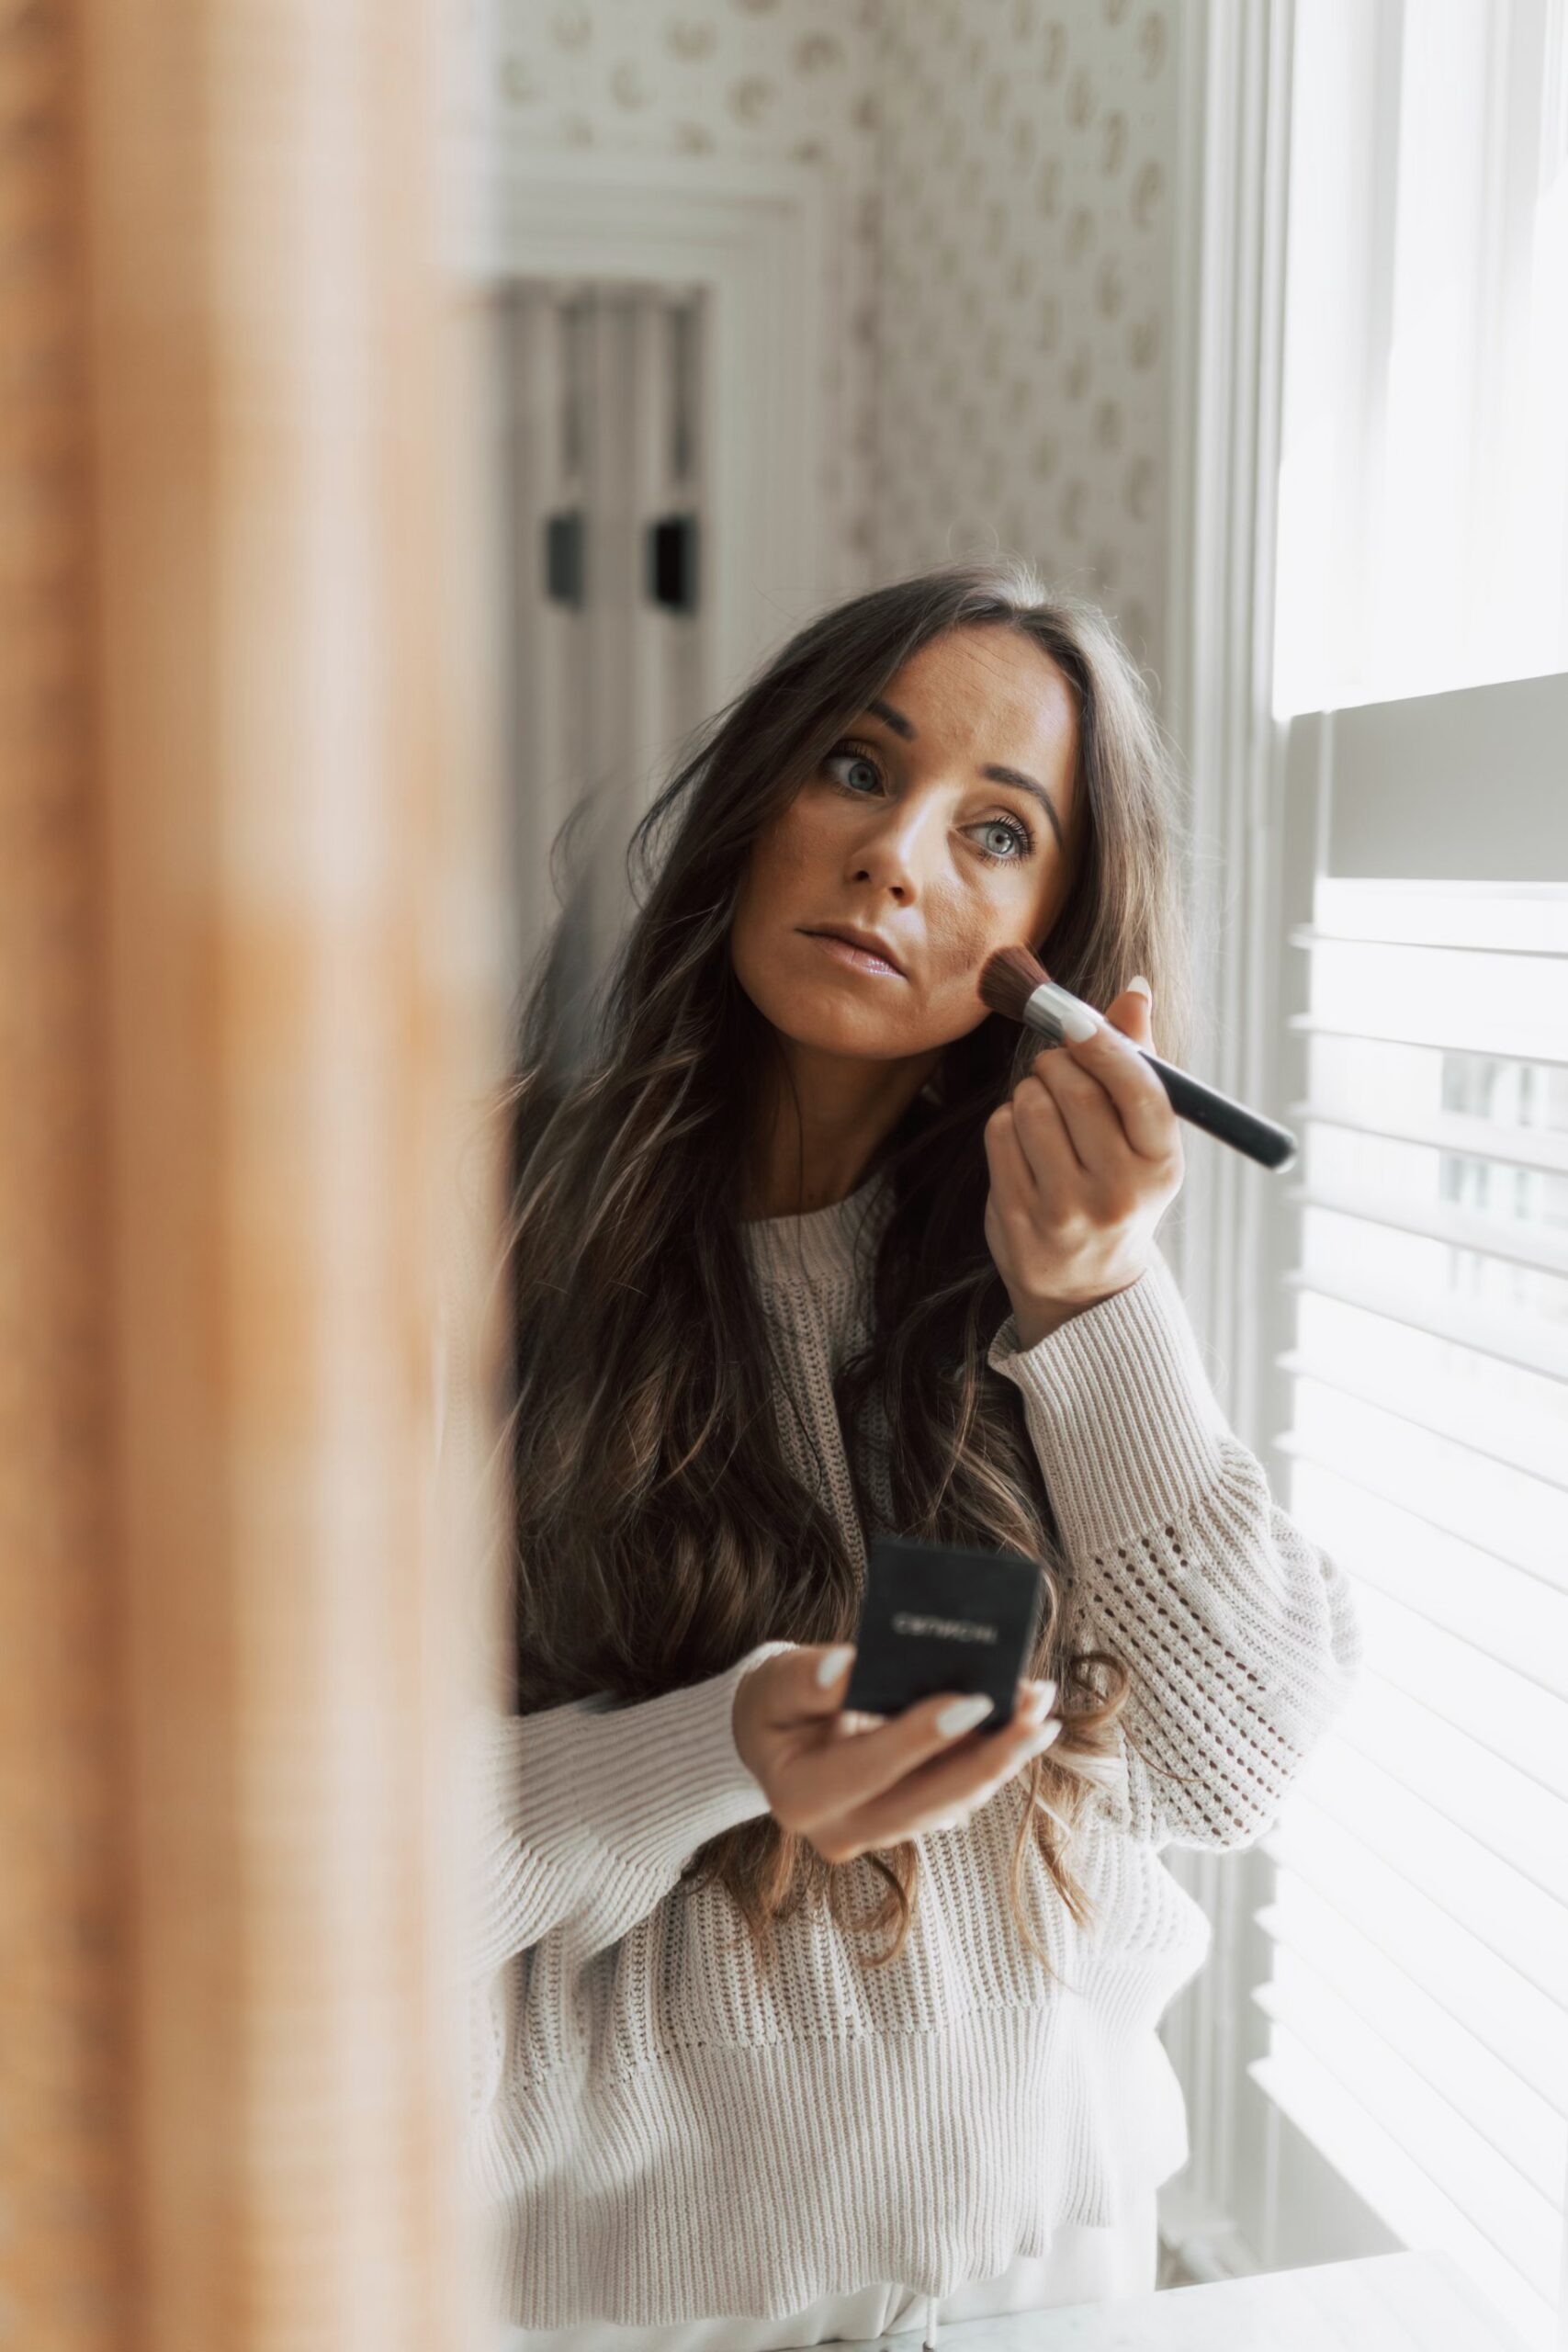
(860, 958)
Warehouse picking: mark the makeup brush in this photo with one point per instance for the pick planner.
(1015, 983)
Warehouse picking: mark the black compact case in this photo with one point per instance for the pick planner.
(941, 1617)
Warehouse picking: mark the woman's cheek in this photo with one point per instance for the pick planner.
(960, 955)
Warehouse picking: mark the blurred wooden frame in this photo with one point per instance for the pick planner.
(248, 952)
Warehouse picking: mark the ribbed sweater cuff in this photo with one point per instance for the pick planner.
(1124, 1422)
(658, 1780)
(588, 1813)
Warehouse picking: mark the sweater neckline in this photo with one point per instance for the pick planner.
(816, 1247)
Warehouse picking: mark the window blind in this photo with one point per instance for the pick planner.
(1418, 1998)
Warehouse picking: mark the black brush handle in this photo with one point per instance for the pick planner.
(1228, 1122)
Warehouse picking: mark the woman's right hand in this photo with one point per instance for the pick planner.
(852, 1782)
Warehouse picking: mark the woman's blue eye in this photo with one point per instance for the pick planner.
(1014, 832)
(857, 759)
(1013, 827)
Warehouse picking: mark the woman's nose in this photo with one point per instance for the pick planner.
(899, 851)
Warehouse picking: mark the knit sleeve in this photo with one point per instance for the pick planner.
(1240, 1635)
(582, 1816)
(577, 1819)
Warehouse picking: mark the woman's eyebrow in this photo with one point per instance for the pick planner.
(901, 726)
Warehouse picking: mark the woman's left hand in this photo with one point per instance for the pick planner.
(1085, 1160)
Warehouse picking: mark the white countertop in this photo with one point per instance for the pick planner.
(1383, 2302)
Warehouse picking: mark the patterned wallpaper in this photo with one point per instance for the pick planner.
(1024, 170)
(1000, 175)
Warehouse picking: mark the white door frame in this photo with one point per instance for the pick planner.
(753, 238)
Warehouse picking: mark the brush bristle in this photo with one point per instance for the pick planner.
(1009, 978)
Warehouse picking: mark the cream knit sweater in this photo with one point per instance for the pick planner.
(656, 2135)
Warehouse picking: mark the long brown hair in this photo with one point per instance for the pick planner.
(659, 1532)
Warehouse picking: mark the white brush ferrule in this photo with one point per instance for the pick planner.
(1059, 1012)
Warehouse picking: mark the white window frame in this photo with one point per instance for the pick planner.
(1234, 92)
(1256, 2194)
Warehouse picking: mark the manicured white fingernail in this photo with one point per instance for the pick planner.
(1138, 981)
(833, 1665)
(1044, 1736)
(963, 1715)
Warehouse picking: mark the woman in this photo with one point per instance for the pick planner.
(806, 1247)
